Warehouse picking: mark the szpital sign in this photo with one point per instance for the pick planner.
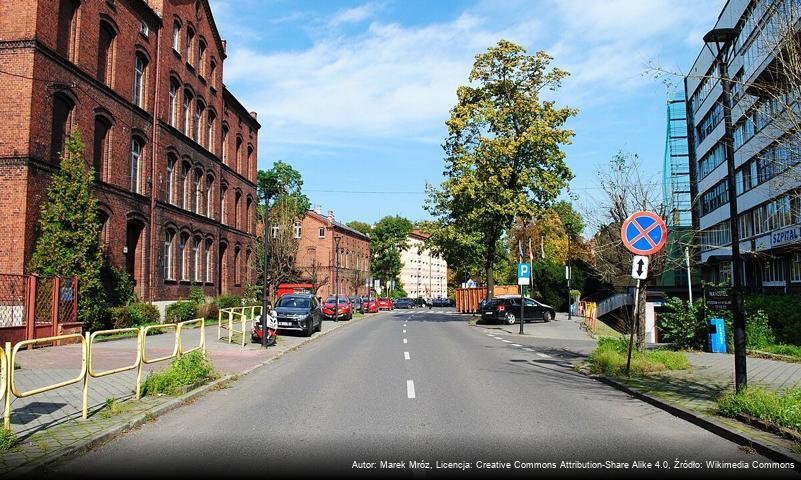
(644, 233)
(639, 267)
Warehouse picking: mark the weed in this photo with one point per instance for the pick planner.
(7, 440)
(111, 407)
(611, 354)
(184, 370)
(779, 408)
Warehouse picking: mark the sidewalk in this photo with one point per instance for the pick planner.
(696, 391)
(49, 425)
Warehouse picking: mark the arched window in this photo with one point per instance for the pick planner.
(238, 154)
(187, 112)
(223, 191)
(197, 260)
(248, 265)
(225, 144)
(169, 180)
(198, 125)
(137, 146)
(67, 28)
(237, 268)
(249, 165)
(190, 38)
(237, 208)
(210, 131)
(140, 64)
(105, 54)
(201, 58)
(248, 208)
(183, 264)
(169, 238)
(62, 124)
(209, 196)
(101, 146)
(212, 71)
(197, 188)
(209, 260)
(184, 186)
(173, 106)
(176, 36)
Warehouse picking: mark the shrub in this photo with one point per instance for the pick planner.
(784, 316)
(185, 370)
(120, 317)
(682, 325)
(119, 286)
(208, 310)
(144, 313)
(228, 301)
(197, 295)
(7, 440)
(758, 333)
(782, 409)
(181, 311)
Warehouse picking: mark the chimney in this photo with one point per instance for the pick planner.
(253, 114)
(318, 209)
(331, 217)
(224, 45)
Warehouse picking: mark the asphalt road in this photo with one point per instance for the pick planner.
(410, 385)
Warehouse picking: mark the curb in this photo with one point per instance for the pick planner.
(708, 424)
(41, 466)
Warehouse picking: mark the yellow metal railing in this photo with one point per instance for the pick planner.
(8, 356)
(243, 316)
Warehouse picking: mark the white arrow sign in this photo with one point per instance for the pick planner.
(639, 267)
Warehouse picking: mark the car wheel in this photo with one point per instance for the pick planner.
(309, 328)
(319, 327)
(547, 316)
(510, 318)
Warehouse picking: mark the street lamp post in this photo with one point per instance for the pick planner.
(264, 289)
(337, 238)
(722, 39)
(569, 274)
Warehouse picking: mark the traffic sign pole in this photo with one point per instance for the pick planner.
(634, 325)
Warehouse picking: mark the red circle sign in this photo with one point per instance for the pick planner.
(644, 233)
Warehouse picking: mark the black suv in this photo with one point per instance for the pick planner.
(506, 309)
(299, 312)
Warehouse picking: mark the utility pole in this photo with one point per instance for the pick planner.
(569, 274)
(264, 289)
(337, 238)
(689, 274)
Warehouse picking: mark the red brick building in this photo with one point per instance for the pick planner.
(315, 257)
(173, 150)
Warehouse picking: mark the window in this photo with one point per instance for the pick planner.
(184, 186)
(101, 146)
(297, 229)
(187, 112)
(237, 268)
(62, 124)
(67, 28)
(197, 202)
(715, 197)
(238, 154)
(168, 239)
(176, 36)
(711, 160)
(249, 166)
(209, 263)
(795, 268)
(716, 236)
(225, 144)
(709, 122)
(105, 54)
(274, 229)
(201, 57)
(173, 106)
(190, 36)
(198, 125)
(745, 226)
(197, 259)
(183, 272)
(209, 197)
(773, 272)
(249, 213)
(212, 70)
(210, 131)
(321, 232)
(144, 29)
(237, 208)
(136, 163)
(223, 191)
(139, 80)
(169, 182)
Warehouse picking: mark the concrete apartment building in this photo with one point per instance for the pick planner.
(423, 274)
(767, 182)
(174, 151)
(317, 262)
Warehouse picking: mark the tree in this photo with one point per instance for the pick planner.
(362, 227)
(280, 193)
(315, 273)
(462, 250)
(387, 240)
(69, 233)
(503, 151)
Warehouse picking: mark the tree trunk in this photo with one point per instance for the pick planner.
(488, 263)
(641, 318)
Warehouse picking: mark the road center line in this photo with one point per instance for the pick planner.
(405, 341)
(404, 330)
(543, 355)
(528, 349)
(406, 356)
(410, 388)
(506, 341)
(516, 345)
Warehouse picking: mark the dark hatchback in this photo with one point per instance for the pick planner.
(296, 311)
(404, 303)
(507, 310)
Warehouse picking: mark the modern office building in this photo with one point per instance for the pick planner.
(765, 151)
(423, 275)
(174, 152)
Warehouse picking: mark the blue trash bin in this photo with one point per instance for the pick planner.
(717, 335)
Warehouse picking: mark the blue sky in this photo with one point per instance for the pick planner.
(355, 94)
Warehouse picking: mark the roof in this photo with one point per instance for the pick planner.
(338, 225)
(417, 233)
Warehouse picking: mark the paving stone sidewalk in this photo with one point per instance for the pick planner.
(48, 423)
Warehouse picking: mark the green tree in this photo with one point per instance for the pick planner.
(362, 227)
(503, 152)
(69, 233)
(386, 242)
(571, 219)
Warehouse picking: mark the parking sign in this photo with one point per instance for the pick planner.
(523, 273)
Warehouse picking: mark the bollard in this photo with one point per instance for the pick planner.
(7, 387)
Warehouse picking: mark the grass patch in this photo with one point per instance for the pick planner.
(7, 440)
(783, 409)
(604, 330)
(788, 350)
(609, 358)
(111, 407)
(185, 370)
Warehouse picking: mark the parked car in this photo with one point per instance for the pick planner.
(420, 302)
(369, 305)
(404, 303)
(295, 311)
(356, 304)
(384, 303)
(506, 309)
(343, 308)
(440, 302)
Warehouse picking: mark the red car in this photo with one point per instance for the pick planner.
(369, 307)
(384, 304)
(344, 309)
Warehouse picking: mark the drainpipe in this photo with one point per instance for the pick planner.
(153, 175)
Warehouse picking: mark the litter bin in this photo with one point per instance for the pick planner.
(717, 335)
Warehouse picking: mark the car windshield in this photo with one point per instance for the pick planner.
(293, 302)
(331, 300)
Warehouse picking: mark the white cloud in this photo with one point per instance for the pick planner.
(352, 15)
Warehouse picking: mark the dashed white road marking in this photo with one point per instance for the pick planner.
(528, 349)
(506, 341)
(405, 341)
(406, 356)
(516, 345)
(543, 355)
(404, 330)
(410, 388)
